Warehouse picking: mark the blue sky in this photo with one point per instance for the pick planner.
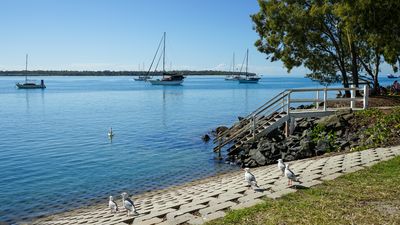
(123, 34)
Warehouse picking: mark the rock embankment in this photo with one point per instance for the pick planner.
(311, 137)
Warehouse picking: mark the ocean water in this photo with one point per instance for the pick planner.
(55, 154)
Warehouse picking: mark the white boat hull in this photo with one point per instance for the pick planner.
(163, 82)
(140, 78)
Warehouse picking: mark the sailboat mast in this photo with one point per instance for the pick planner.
(163, 65)
(26, 68)
(233, 66)
(247, 61)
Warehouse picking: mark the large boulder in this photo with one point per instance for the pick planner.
(221, 129)
(206, 138)
(258, 157)
(332, 122)
(322, 147)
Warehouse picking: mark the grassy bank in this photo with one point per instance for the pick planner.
(370, 196)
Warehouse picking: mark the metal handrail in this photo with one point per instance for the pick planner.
(270, 107)
(247, 127)
(262, 108)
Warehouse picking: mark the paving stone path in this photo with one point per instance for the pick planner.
(208, 200)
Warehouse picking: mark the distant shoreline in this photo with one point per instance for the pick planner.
(116, 73)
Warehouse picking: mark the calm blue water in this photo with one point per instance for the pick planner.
(55, 153)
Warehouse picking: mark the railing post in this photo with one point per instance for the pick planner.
(254, 126)
(317, 103)
(325, 99)
(287, 123)
(352, 95)
(366, 95)
(219, 148)
(283, 102)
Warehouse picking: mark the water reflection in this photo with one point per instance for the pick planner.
(30, 95)
(170, 94)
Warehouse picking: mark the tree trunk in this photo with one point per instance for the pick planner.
(345, 82)
(354, 69)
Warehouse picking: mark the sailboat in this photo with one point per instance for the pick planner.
(248, 78)
(168, 78)
(232, 77)
(142, 77)
(29, 84)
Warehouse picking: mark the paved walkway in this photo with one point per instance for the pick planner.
(204, 201)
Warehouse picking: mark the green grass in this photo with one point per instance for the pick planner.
(369, 196)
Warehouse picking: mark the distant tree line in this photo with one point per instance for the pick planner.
(112, 73)
(337, 40)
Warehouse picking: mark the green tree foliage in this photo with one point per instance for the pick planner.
(375, 28)
(334, 39)
(303, 33)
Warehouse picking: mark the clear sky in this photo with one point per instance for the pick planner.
(123, 34)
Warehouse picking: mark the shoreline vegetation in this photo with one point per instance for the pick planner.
(115, 73)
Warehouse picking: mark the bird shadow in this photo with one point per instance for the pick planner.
(299, 187)
(260, 189)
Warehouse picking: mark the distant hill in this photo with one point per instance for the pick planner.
(111, 73)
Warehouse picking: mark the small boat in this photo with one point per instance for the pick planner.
(142, 78)
(392, 76)
(167, 78)
(29, 84)
(232, 77)
(247, 78)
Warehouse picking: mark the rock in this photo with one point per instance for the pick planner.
(264, 146)
(305, 145)
(206, 138)
(304, 124)
(240, 118)
(332, 122)
(322, 147)
(342, 112)
(343, 144)
(347, 117)
(288, 158)
(258, 157)
(306, 134)
(221, 129)
(339, 133)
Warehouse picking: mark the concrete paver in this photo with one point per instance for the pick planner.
(204, 201)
